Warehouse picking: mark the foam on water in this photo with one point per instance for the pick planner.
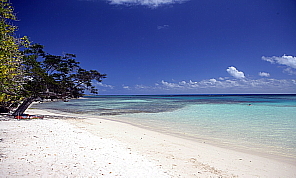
(261, 123)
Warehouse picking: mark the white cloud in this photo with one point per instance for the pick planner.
(235, 73)
(142, 87)
(170, 85)
(218, 85)
(289, 61)
(160, 27)
(264, 74)
(290, 71)
(104, 85)
(126, 87)
(150, 3)
(213, 80)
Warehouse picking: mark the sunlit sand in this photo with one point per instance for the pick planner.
(105, 148)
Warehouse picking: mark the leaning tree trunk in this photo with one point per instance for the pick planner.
(22, 108)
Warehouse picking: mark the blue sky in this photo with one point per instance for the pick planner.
(171, 46)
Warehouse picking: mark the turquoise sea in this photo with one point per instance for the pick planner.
(263, 124)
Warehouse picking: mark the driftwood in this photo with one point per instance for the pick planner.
(23, 107)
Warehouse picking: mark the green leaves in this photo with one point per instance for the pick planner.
(11, 72)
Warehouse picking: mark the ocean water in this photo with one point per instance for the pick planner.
(263, 124)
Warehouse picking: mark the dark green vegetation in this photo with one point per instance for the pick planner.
(28, 73)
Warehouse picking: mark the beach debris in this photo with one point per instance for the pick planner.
(193, 160)
(28, 116)
(173, 165)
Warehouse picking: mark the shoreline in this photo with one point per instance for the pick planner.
(176, 156)
(244, 148)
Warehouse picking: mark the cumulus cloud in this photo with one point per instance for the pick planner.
(210, 83)
(289, 61)
(170, 85)
(264, 74)
(218, 85)
(150, 3)
(235, 73)
(262, 84)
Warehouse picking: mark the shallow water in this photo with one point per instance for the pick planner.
(260, 123)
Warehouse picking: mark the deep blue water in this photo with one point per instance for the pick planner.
(260, 123)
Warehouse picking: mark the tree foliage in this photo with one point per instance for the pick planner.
(58, 76)
(10, 57)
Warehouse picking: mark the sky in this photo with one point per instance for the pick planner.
(171, 46)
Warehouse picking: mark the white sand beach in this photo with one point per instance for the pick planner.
(98, 147)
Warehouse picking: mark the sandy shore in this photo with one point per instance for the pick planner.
(100, 147)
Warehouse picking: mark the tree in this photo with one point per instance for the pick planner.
(59, 75)
(51, 76)
(11, 73)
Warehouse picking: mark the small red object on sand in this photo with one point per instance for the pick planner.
(27, 116)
